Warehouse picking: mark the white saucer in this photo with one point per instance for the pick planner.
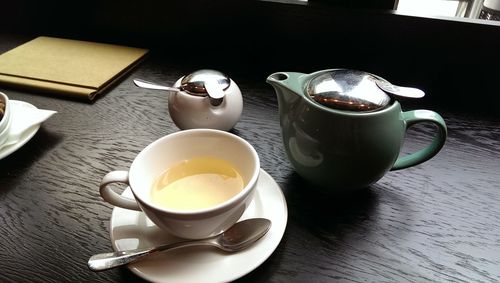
(26, 136)
(131, 229)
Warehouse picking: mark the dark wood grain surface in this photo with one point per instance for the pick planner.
(436, 222)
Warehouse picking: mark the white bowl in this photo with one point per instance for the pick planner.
(6, 120)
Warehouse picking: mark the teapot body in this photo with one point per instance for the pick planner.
(343, 150)
(190, 111)
(339, 151)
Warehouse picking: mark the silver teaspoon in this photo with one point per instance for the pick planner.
(200, 83)
(214, 89)
(240, 236)
(400, 91)
(151, 85)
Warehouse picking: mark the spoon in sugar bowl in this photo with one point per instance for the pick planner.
(238, 237)
(209, 83)
(203, 99)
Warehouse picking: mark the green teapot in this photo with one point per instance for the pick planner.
(343, 129)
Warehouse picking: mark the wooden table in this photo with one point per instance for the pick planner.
(435, 222)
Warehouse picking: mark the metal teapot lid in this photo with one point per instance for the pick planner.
(348, 90)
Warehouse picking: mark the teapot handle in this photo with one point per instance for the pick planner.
(418, 116)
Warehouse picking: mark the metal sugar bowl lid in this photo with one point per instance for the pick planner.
(354, 90)
(206, 82)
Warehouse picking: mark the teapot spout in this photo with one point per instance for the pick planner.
(286, 83)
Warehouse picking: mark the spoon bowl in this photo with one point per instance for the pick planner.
(238, 237)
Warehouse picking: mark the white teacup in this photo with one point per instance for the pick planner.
(167, 151)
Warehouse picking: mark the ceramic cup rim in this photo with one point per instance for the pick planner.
(214, 210)
(6, 121)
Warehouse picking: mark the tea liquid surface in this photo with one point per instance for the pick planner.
(197, 183)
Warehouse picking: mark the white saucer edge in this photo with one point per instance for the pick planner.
(273, 237)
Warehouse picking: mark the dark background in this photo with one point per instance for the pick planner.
(456, 62)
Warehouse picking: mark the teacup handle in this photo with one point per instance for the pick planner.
(113, 197)
(417, 116)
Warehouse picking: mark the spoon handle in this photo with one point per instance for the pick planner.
(151, 85)
(105, 261)
(400, 91)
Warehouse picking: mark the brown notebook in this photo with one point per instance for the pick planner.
(67, 67)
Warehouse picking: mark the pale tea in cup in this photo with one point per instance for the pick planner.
(196, 184)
